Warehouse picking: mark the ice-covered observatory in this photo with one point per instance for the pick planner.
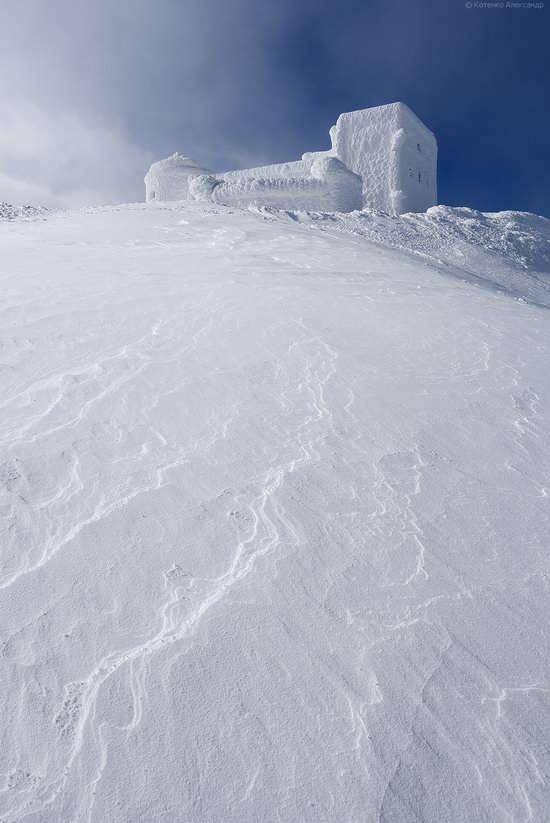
(383, 158)
(169, 179)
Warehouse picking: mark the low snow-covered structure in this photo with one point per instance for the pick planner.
(325, 185)
(168, 179)
(383, 158)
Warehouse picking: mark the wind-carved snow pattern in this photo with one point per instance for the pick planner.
(274, 495)
(186, 604)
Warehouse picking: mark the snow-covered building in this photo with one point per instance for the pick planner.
(382, 158)
(393, 152)
(168, 179)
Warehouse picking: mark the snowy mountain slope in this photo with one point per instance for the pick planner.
(276, 533)
(507, 251)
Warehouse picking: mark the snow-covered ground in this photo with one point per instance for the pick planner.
(275, 517)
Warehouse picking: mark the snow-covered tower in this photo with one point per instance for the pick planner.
(168, 179)
(393, 152)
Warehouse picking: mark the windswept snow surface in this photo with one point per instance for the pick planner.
(275, 517)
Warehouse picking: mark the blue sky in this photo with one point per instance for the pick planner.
(91, 92)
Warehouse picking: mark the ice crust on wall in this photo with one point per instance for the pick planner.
(168, 179)
(330, 186)
(284, 171)
(392, 153)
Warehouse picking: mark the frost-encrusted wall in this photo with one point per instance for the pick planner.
(383, 158)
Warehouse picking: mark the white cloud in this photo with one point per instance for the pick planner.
(56, 158)
(101, 81)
